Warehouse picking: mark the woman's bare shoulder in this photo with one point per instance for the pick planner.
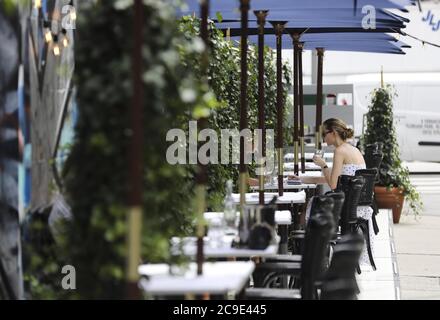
(357, 154)
(341, 150)
(349, 153)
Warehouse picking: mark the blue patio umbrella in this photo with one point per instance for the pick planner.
(380, 15)
(231, 6)
(338, 42)
(312, 26)
(342, 36)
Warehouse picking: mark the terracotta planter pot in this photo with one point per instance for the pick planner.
(392, 199)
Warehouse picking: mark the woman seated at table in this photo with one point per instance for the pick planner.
(347, 159)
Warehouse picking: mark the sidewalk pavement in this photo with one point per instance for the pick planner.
(382, 284)
(418, 256)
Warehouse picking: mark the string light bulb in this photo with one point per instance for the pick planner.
(48, 36)
(65, 39)
(73, 14)
(56, 47)
(48, 32)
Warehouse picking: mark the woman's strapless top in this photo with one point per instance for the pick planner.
(350, 169)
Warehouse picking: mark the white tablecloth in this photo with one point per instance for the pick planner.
(224, 250)
(218, 278)
(281, 216)
(286, 198)
(308, 156)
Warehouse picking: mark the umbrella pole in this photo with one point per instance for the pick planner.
(295, 38)
(261, 18)
(201, 174)
(318, 134)
(244, 7)
(279, 29)
(301, 106)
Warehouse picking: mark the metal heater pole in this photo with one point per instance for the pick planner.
(261, 19)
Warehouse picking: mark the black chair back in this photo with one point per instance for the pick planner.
(339, 282)
(352, 187)
(376, 147)
(338, 203)
(320, 228)
(373, 160)
(321, 203)
(367, 193)
(373, 155)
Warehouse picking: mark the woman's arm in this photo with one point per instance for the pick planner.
(331, 176)
(313, 180)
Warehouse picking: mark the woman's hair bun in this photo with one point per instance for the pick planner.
(349, 133)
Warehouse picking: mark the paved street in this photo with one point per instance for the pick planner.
(418, 245)
(429, 188)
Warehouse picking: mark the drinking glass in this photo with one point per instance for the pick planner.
(319, 153)
(216, 232)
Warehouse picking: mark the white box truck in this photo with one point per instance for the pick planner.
(416, 114)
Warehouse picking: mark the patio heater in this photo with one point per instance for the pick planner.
(279, 29)
(261, 20)
(244, 9)
(201, 174)
(318, 124)
(135, 170)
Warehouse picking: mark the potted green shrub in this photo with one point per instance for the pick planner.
(393, 185)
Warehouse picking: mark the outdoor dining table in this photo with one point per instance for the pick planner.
(286, 198)
(307, 156)
(288, 201)
(188, 247)
(306, 174)
(309, 166)
(283, 219)
(286, 186)
(226, 279)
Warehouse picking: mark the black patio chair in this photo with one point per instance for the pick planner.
(319, 230)
(351, 186)
(338, 203)
(318, 204)
(333, 201)
(373, 155)
(365, 199)
(339, 282)
(373, 159)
